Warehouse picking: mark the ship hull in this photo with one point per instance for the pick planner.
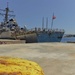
(44, 36)
(49, 37)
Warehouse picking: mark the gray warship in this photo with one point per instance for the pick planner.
(10, 30)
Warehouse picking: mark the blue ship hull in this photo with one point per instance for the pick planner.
(49, 37)
(44, 36)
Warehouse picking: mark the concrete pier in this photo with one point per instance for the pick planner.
(54, 58)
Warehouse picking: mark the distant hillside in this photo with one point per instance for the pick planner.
(69, 35)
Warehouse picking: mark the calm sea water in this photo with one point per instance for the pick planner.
(67, 39)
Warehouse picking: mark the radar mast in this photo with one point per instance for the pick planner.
(6, 10)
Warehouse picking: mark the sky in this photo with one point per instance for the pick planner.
(29, 13)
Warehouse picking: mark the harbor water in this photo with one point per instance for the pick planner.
(68, 39)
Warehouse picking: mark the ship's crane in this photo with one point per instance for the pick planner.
(6, 10)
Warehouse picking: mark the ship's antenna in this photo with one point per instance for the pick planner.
(47, 23)
(43, 23)
(6, 14)
(6, 10)
(7, 4)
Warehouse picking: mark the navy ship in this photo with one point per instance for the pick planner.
(48, 35)
(52, 35)
(9, 29)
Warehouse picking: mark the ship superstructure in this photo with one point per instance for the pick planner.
(9, 28)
